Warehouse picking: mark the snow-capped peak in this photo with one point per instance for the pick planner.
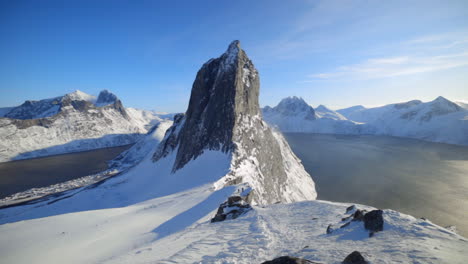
(295, 106)
(322, 108)
(442, 105)
(80, 96)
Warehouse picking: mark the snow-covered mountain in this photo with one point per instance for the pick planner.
(439, 120)
(159, 211)
(73, 122)
(325, 112)
(293, 114)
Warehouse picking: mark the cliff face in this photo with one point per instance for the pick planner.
(224, 115)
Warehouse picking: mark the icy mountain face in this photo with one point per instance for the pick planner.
(224, 115)
(65, 124)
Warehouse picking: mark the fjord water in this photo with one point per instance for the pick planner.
(21, 175)
(416, 177)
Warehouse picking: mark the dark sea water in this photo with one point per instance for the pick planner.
(419, 178)
(21, 175)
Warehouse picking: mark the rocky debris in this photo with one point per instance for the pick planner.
(350, 208)
(355, 258)
(359, 215)
(288, 260)
(234, 207)
(373, 221)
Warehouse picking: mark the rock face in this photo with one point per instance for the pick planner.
(234, 207)
(224, 115)
(106, 98)
(373, 221)
(287, 260)
(355, 258)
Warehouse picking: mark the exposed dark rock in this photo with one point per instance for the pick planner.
(358, 215)
(234, 207)
(346, 218)
(105, 98)
(355, 258)
(218, 97)
(329, 229)
(224, 115)
(350, 208)
(373, 221)
(287, 260)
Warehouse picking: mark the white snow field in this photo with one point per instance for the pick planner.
(148, 215)
(176, 229)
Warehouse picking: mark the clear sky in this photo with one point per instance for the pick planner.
(337, 53)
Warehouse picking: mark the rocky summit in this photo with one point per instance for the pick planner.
(224, 115)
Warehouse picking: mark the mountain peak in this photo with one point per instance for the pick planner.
(295, 106)
(234, 47)
(222, 91)
(441, 99)
(223, 115)
(78, 95)
(106, 98)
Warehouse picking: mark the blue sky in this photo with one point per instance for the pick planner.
(337, 53)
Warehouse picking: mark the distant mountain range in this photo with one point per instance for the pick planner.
(73, 122)
(440, 120)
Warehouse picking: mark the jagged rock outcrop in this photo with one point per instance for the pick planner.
(288, 260)
(105, 98)
(354, 258)
(234, 207)
(224, 115)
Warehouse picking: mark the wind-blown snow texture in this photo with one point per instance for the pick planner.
(439, 121)
(70, 123)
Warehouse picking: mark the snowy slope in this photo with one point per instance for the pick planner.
(176, 229)
(293, 114)
(139, 151)
(324, 112)
(70, 123)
